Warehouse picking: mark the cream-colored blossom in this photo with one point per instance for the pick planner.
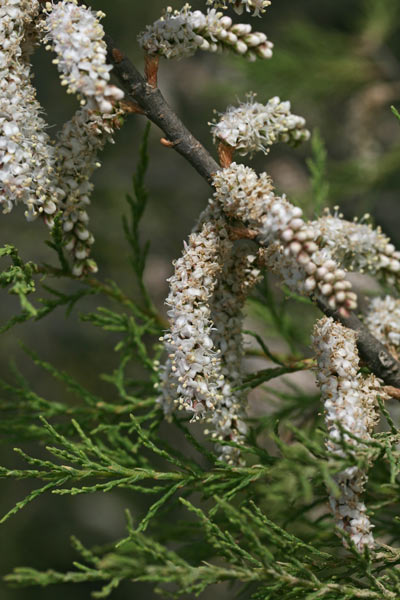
(76, 36)
(253, 126)
(211, 282)
(236, 281)
(350, 401)
(77, 147)
(358, 246)
(180, 33)
(192, 375)
(250, 198)
(26, 155)
(383, 320)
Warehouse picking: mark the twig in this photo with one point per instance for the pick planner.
(156, 108)
(151, 69)
(392, 391)
(101, 287)
(225, 154)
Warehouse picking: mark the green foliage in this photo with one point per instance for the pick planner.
(137, 205)
(395, 112)
(18, 278)
(56, 243)
(258, 528)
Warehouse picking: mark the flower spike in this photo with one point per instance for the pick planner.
(180, 33)
(76, 36)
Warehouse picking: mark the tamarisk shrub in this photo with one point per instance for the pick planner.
(269, 493)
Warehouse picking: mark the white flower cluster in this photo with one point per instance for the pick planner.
(350, 404)
(26, 156)
(255, 6)
(250, 198)
(358, 246)
(238, 277)
(192, 375)
(180, 33)
(204, 344)
(77, 146)
(76, 36)
(253, 126)
(383, 320)
(45, 176)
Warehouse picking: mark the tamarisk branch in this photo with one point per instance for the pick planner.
(156, 108)
(151, 101)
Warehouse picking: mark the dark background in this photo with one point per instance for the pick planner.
(339, 64)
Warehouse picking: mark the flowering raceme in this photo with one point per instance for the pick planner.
(26, 154)
(383, 320)
(350, 401)
(49, 176)
(358, 246)
(76, 36)
(237, 280)
(276, 222)
(211, 282)
(253, 126)
(192, 372)
(77, 146)
(181, 33)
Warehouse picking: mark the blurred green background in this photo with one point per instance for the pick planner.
(338, 62)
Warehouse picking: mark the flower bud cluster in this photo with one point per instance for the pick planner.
(350, 406)
(180, 33)
(253, 126)
(192, 374)
(383, 321)
(77, 146)
(358, 246)
(335, 290)
(238, 277)
(76, 36)
(255, 6)
(26, 156)
(251, 199)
